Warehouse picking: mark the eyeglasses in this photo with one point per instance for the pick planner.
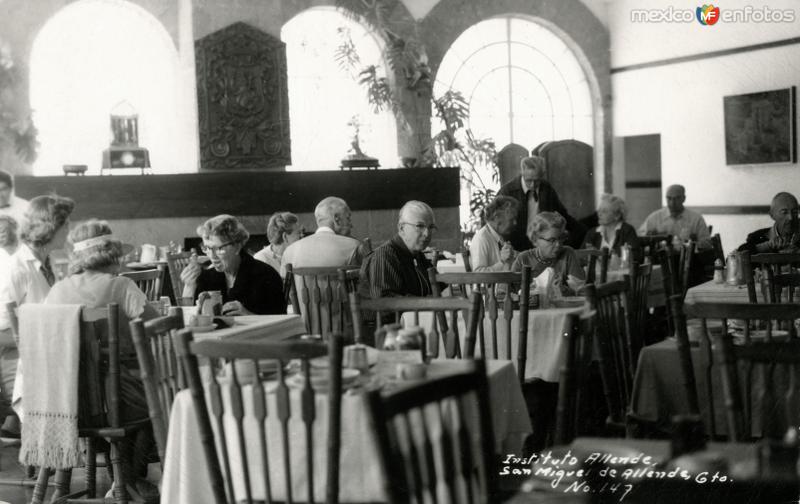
(214, 250)
(551, 240)
(421, 227)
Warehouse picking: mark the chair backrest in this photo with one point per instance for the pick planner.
(237, 364)
(159, 369)
(464, 439)
(685, 354)
(651, 245)
(465, 255)
(640, 287)
(716, 246)
(390, 310)
(760, 268)
(176, 263)
(591, 257)
(317, 294)
(742, 321)
(675, 269)
(574, 375)
(99, 326)
(495, 289)
(615, 345)
(148, 281)
(783, 283)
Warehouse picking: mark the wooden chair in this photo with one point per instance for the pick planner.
(495, 289)
(716, 246)
(640, 288)
(573, 377)
(768, 266)
(390, 310)
(97, 325)
(616, 346)
(317, 294)
(411, 472)
(591, 257)
(149, 281)
(651, 245)
(234, 357)
(465, 255)
(750, 356)
(675, 268)
(350, 279)
(175, 264)
(685, 356)
(159, 369)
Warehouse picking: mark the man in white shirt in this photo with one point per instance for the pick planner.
(489, 249)
(677, 220)
(10, 204)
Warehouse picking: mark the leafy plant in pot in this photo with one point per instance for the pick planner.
(17, 131)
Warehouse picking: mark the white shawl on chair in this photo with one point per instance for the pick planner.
(49, 349)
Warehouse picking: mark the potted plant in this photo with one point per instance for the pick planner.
(17, 132)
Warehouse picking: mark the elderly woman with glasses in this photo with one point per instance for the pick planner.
(613, 232)
(248, 286)
(283, 229)
(547, 232)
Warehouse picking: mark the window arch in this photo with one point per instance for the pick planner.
(324, 97)
(522, 83)
(91, 56)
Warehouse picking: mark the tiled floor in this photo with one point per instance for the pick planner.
(12, 477)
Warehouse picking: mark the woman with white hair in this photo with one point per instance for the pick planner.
(613, 232)
(547, 232)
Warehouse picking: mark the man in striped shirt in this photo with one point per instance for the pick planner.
(398, 267)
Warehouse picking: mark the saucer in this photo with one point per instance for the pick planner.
(202, 329)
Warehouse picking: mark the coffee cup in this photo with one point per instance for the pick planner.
(149, 253)
(411, 371)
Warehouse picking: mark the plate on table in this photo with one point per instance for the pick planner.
(568, 302)
(202, 329)
(319, 378)
(145, 265)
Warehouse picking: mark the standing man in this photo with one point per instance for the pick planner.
(535, 195)
(677, 220)
(10, 204)
(399, 267)
(489, 248)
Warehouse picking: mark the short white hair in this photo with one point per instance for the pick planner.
(417, 207)
(328, 209)
(617, 205)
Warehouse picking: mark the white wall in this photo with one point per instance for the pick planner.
(684, 103)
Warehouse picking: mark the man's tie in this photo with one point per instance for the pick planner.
(533, 193)
(47, 271)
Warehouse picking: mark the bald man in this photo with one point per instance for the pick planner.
(535, 195)
(677, 220)
(331, 244)
(398, 267)
(783, 235)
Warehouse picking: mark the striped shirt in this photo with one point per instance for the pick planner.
(393, 270)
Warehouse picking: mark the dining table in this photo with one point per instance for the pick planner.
(713, 292)
(248, 327)
(546, 339)
(185, 479)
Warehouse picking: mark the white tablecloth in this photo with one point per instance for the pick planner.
(546, 341)
(185, 479)
(710, 292)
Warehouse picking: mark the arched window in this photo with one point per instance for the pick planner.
(324, 97)
(88, 58)
(521, 81)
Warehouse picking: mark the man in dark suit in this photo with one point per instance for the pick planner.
(783, 236)
(536, 195)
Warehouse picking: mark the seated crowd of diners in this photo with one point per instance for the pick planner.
(526, 225)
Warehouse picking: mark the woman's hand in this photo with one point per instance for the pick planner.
(235, 308)
(190, 274)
